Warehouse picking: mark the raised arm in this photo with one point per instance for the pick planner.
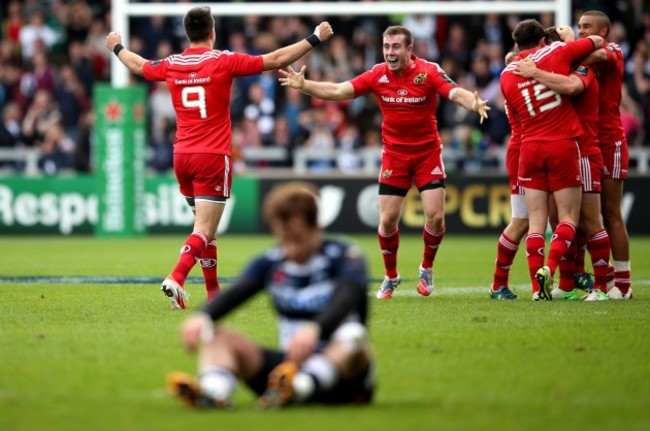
(322, 90)
(283, 57)
(471, 102)
(130, 59)
(567, 85)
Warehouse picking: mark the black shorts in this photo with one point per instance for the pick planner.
(358, 390)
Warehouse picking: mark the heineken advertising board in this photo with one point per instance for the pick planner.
(120, 133)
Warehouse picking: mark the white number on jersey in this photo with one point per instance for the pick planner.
(540, 93)
(197, 100)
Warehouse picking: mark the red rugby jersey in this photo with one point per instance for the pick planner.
(200, 81)
(408, 101)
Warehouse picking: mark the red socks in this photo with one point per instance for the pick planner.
(208, 262)
(535, 256)
(389, 243)
(191, 251)
(598, 246)
(506, 251)
(560, 241)
(432, 241)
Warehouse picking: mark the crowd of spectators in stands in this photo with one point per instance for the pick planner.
(52, 54)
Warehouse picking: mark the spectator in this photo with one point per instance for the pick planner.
(34, 32)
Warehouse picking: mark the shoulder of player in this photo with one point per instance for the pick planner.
(191, 56)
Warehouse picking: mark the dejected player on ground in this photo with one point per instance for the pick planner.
(318, 288)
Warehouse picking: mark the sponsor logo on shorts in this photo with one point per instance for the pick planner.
(218, 188)
(420, 78)
(436, 171)
(387, 173)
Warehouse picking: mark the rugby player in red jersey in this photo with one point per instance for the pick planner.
(407, 89)
(549, 157)
(613, 146)
(584, 87)
(200, 80)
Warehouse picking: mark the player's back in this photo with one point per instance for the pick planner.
(200, 81)
(544, 114)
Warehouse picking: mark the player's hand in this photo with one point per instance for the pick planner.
(324, 31)
(197, 329)
(112, 40)
(526, 68)
(304, 343)
(480, 106)
(292, 78)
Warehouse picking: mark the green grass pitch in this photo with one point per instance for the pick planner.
(78, 356)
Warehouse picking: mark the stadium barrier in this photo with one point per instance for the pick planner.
(475, 204)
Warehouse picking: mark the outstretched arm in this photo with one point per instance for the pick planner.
(568, 85)
(471, 102)
(130, 59)
(322, 90)
(285, 56)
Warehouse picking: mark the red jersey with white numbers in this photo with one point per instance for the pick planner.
(200, 81)
(610, 78)
(408, 101)
(586, 106)
(544, 114)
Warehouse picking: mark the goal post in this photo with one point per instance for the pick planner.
(122, 10)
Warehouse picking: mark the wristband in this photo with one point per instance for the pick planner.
(312, 39)
(119, 47)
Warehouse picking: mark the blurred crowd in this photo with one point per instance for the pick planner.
(52, 53)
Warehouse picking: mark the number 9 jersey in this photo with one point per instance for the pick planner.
(200, 81)
(544, 114)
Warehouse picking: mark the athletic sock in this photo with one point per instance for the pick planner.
(534, 256)
(562, 238)
(320, 371)
(581, 246)
(217, 383)
(567, 269)
(389, 243)
(622, 275)
(190, 252)
(432, 241)
(599, 248)
(506, 252)
(208, 262)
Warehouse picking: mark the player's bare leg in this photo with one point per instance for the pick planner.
(620, 243)
(390, 211)
(433, 205)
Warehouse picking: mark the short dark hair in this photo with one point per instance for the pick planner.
(394, 30)
(290, 201)
(528, 33)
(602, 18)
(551, 35)
(198, 23)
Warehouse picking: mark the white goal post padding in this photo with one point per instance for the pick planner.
(121, 10)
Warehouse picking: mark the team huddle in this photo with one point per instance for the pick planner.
(567, 159)
(562, 97)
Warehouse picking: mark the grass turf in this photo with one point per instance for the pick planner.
(92, 356)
